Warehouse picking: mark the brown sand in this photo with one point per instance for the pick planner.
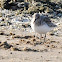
(24, 46)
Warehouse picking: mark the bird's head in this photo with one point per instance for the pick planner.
(36, 16)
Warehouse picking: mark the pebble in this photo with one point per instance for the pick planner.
(10, 52)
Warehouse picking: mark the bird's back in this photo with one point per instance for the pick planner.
(48, 21)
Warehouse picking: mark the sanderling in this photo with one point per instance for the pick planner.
(41, 24)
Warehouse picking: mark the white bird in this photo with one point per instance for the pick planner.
(41, 24)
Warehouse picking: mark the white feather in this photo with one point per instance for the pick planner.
(42, 29)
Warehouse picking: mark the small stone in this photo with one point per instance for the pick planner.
(34, 39)
(1, 33)
(52, 34)
(53, 41)
(0, 14)
(26, 37)
(17, 44)
(41, 56)
(27, 42)
(59, 14)
(48, 10)
(10, 52)
(58, 52)
(12, 49)
(52, 46)
(48, 46)
(12, 36)
(41, 37)
(2, 19)
(25, 48)
(0, 42)
(11, 33)
(17, 36)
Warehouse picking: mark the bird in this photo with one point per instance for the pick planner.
(41, 24)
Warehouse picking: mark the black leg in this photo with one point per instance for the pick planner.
(45, 38)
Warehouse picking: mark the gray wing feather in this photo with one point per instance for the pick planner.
(47, 20)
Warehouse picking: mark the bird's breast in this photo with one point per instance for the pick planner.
(42, 29)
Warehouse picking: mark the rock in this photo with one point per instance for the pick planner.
(57, 7)
(56, 1)
(28, 42)
(14, 49)
(14, 8)
(59, 14)
(0, 15)
(6, 3)
(11, 33)
(34, 40)
(48, 10)
(1, 33)
(35, 9)
(20, 5)
(24, 49)
(37, 4)
(41, 0)
(28, 1)
(26, 37)
(53, 46)
(10, 52)
(2, 3)
(9, 23)
(26, 5)
(61, 5)
(5, 45)
(26, 25)
(2, 19)
(32, 10)
(17, 36)
(41, 8)
(19, 0)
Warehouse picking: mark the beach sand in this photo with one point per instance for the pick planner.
(24, 46)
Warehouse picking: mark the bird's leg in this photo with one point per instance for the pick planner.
(45, 38)
(40, 36)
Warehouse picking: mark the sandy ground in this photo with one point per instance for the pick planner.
(23, 46)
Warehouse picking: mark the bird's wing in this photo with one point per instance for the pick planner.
(47, 20)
